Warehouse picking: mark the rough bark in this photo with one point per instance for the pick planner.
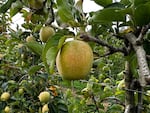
(129, 96)
(144, 71)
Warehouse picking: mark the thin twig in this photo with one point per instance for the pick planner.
(112, 49)
(93, 98)
(148, 57)
(126, 89)
(118, 101)
(142, 33)
(51, 17)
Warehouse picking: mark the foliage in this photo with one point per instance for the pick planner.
(28, 68)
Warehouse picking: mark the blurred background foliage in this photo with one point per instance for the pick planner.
(24, 69)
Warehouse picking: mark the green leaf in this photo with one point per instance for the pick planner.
(6, 6)
(65, 14)
(142, 14)
(125, 2)
(34, 69)
(108, 15)
(51, 56)
(53, 41)
(61, 41)
(139, 2)
(62, 106)
(15, 8)
(11, 41)
(65, 11)
(35, 47)
(50, 51)
(103, 3)
(115, 108)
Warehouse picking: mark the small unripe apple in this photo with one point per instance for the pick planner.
(148, 92)
(1, 56)
(86, 92)
(7, 109)
(74, 60)
(21, 91)
(44, 96)
(46, 32)
(107, 88)
(45, 108)
(107, 80)
(30, 39)
(5, 96)
(121, 84)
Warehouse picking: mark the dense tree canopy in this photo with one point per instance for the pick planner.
(118, 34)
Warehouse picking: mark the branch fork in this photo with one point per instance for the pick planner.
(144, 72)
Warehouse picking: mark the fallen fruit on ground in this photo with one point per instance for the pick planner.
(5, 96)
(74, 60)
(45, 108)
(46, 32)
(44, 96)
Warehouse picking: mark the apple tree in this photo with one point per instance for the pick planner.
(118, 34)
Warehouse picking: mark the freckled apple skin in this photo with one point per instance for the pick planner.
(74, 60)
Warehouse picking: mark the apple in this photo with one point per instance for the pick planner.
(7, 109)
(5, 96)
(74, 60)
(45, 108)
(30, 39)
(44, 96)
(46, 32)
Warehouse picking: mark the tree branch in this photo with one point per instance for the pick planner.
(112, 49)
(116, 100)
(129, 101)
(144, 71)
(142, 33)
(51, 17)
(93, 98)
(148, 57)
(140, 100)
